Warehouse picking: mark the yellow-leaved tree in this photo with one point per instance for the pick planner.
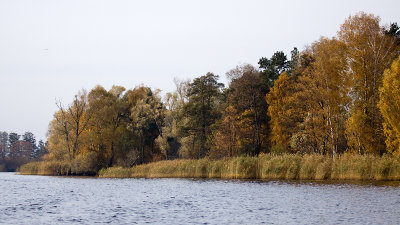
(323, 89)
(285, 111)
(369, 52)
(389, 105)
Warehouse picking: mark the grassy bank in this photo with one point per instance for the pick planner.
(81, 166)
(269, 166)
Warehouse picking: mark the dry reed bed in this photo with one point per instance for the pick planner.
(269, 166)
(58, 168)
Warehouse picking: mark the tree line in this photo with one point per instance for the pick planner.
(16, 150)
(332, 97)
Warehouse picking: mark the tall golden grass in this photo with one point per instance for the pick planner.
(82, 165)
(266, 166)
(269, 166)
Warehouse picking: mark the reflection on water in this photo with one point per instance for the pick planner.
(61, 200)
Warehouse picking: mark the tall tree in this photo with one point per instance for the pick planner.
(30, 137)
(201, 110)
(248, 98)
(293, 64)
(272, 68)
(109, 114)
(284, 110)
(287, 104)
(12, 138)
(3, 144)
(41, 150)
(227, 135)
(389, 104)
(68, 126)
(170, 141)
(370, 51)
(147, 114)
(323, 89)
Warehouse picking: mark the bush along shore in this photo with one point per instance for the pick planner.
(269, 166)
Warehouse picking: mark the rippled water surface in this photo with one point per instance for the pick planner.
(61, 200)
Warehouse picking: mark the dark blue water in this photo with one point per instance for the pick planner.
(61, 200)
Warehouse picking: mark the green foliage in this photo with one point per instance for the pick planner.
(273, 67)
(394, 31)
(12, 138)
(201, 112)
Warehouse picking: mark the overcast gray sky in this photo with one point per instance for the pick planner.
(51, 49)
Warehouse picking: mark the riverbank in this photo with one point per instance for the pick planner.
(269, 166)
(58, 168)
(266, 166)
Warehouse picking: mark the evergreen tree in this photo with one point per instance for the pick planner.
(12, 138)
(201, 110)
(30, 138)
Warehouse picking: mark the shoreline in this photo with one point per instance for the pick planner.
(377, 183)
(288, 167)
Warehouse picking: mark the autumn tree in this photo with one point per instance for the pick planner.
(287, 105)
(389, 105)
(369, 52)
(248, 98)
(170, 141)
(147, 118)
(107, 126)
(243, 127)
(323, 89)
(283, 111)
(227, 135)
(68, 126)
(201, 112)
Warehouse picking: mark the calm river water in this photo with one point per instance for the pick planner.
(62, 200)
